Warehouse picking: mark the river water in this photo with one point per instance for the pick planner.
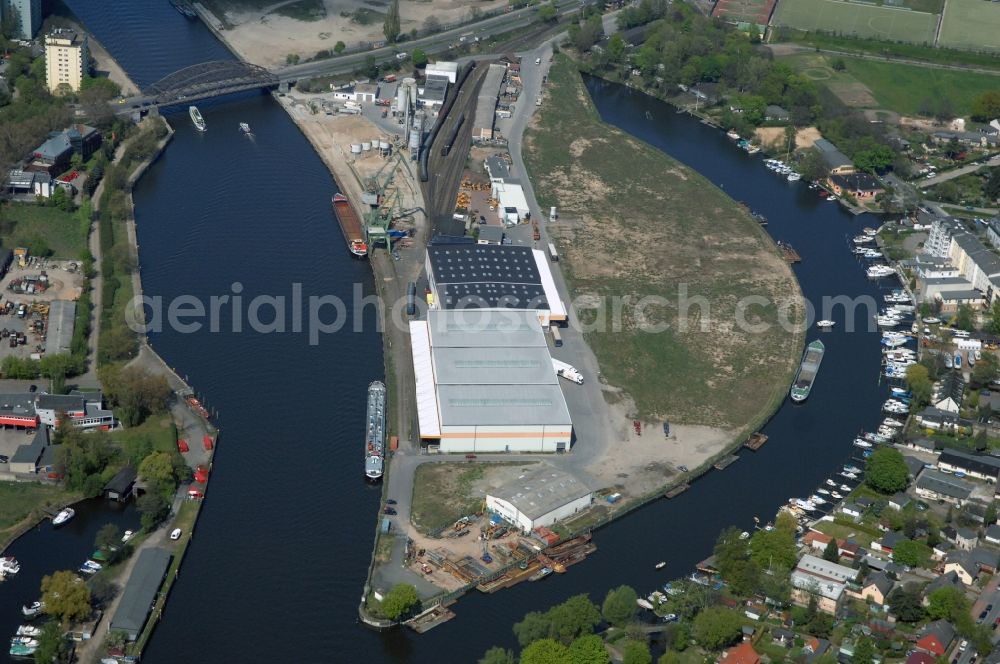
(276, 567)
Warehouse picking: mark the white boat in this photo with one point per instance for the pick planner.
(831, 483)
(972, 359)
(661, 564)
(644, 603)
(859, 442)
(978, 355)
(127, 536)
(24, 641)
(63, 516)
(28, 630)
(753, 149)
(863, 239)
(844, 487)
(948, 362)
(196, 118)
(892, 422)
(732, 134)
(245, 128)
(794, 177)
(819, 499)
(932, 321)
(32, 610)
(836, 495)
(825, 324)
(9, 566)
(850, 476)
(823, 492)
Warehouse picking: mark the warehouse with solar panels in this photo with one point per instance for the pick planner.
(484, 276)
(485, 383)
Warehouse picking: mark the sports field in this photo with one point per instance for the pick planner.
(971, 24)
(751, 11)
(862, 20)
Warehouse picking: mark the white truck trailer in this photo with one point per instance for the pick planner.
(567, 371)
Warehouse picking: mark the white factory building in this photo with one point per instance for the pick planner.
(539, 497)
(448, 70)
(485, 383)
(486, 276)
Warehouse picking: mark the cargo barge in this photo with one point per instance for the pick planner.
(375, 432)
(804, 379)
(350, 225)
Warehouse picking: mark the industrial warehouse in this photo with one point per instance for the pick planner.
(539, 497)
(471, 276)
(485, 383)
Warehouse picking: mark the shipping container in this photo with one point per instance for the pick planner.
(553, 254)
(556, 337)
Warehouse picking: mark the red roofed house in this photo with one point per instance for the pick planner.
(741, 654)
(816, 540)
(921, 658)
(936, 637)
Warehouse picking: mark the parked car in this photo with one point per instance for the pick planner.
(390, 502)
(175, 534)
(4, 458)
(389, 510)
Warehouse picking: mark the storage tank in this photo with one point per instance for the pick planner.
(383, 145)
(414, 139)
(355, 148)
(366, 146)
(552, 213)
(402, 97)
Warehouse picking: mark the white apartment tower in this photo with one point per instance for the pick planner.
(66, 59)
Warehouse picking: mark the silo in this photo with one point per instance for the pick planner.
(383, 145)
(411, 85)
(355, 148)
(414, 140)
(552, 214)
(366, 146)
(402, 97)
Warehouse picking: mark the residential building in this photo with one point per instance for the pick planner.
(819, 578)
(85, 409)
(741, 654)
(974, 260)
(980, 466)
(836, 161)
(876, 588)
(993, 232)
(816, 540)
(962, 564)
(935, 485)
(921, 658)
(888, 542)
(37, 456)
(539, 497)
(67, 60)
(941, 550)
(946, 580)
(26, 14)
(936, 638)
(992, 534)
(776, 114)
(921, 444)
(485, 382)
(985, 558)
(938, 242)
(852, 510)
(858, 185)
(966, 539)
(967, 138)
(941, 420)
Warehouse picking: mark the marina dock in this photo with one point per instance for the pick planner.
(725, 462)
(755, 441)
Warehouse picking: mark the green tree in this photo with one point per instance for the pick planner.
(986, 106)
(588, 649)
(547, 13)
(134, 392)
(919, 383)
(620, 606)
(52, 645)
(158, 470)
(534, 626)
(545, 651)
(717, 627)
(986, 369)
(812, 166)
(864, 651)
(399, 601)
(876, 159)
(636, 652)
(390, 27)
(107, 538)
(910, 553)
(497, 655)
(419, 57)
(886, 471)
(153, 509)
(773, 548)
(947, 604)
(339, 47)
(906, 604)
(832, 551)
(574, 617)
(821, 625)
(616, 48)
(66, 597)
(965, 318)
(992, 187)
(83, 457)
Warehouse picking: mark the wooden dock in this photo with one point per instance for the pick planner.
(725, 462)
(755, 441)
(430, 619)
(677, 490)
(788, 252)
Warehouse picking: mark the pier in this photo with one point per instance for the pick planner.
(725, 462)
(755, 441)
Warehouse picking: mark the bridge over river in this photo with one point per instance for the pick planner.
(203, 81)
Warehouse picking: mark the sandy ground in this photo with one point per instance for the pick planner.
(267, 39)
(332, 136)
(804, 138)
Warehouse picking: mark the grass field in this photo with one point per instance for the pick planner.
(905, 89)
(157, 434)
(637, 223)
(862, 20)
(303, 10)
(972, 25)
(442, 494)
(39, 228)
(939, 55)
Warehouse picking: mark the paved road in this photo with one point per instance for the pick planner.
(956, 172)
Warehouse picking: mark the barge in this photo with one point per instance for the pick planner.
(375, 432)
(804, 379)
(350, 225)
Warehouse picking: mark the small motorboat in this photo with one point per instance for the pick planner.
(823, 492)
(825, 324)
(24, 641)
(127, 536)
(9, 566)
(831, 483)
(28, 630)
(32, 610)
(19, 650)
(645, 603)
(836, 495)
(245, 128)
(844, 487)
(932, 321)
(744, 535)
(661, 564)
(63, 516)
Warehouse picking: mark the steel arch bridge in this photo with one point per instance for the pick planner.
(210, 79)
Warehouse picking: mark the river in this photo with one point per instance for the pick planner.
(280, 553)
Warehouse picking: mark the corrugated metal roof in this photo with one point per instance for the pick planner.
(541, 490)
(493, 366)
(427, 408)
(62, 316)
(503, 405)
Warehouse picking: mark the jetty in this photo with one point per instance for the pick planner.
(725, 462)
(755, 441)
(677, 490)
(788, 252)
(429, 619)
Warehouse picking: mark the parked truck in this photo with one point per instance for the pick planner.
(567, 371)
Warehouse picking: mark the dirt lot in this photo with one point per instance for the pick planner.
(804, 138)
(265, 37)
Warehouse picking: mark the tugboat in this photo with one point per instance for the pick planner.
(196, 118)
